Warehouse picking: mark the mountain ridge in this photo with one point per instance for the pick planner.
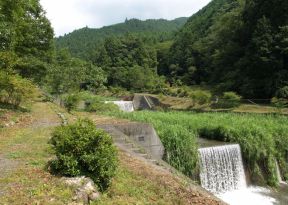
(84, 40)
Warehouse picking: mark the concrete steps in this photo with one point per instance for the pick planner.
(124, 142)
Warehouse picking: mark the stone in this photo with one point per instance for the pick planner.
(94, 196)
(85, 189)
(81, 196)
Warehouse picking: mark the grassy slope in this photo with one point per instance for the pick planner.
(24, 152)
(25, 146)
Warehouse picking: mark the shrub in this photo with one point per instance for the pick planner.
(201, 97)
(281, 98)
(98, 106)
(282, 93)
(118, 91)
(14, 89)
(81, 149)
(229, 100)
(71, 101)
(182, 92)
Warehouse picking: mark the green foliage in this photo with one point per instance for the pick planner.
(14, 89)
(262, 138)
(118, 91)
(281, 98)
(129, 63)
(180, 144)
(96, 103)
(81, 149)
(28, 34)
(71, 101)
(229, 100)
(100, 107)
(235, 44)
(201, 97)
(81, 43)
(282, 93)
(69, 74)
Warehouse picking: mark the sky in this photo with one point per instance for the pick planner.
(68, 15)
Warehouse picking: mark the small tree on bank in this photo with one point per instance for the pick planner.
(81, 149)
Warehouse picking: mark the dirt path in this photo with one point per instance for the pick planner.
(24, 153)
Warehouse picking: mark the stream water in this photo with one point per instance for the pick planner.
(222, 173)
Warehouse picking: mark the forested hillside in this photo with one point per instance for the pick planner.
(234, 45)
(83, 41)
(26, 49)
(28, 56)
(230, 45)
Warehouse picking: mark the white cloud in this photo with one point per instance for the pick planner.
(68, 15)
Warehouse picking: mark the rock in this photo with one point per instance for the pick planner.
(85, 189)
(81, 196)
(89, 187)
(75, 181)
(94, 196)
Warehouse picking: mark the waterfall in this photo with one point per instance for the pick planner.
(278, 172)
(222, 168)
(126, 106)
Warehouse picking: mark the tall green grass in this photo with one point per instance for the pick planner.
(263, 138)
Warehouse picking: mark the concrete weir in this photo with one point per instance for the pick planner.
(141, 134)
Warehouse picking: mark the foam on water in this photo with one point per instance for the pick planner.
(222, 173)
(248, 196)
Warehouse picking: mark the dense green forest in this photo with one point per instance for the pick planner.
(230, 45)
(235, 45)
(28, 56)
(26, 48)
(83, 42)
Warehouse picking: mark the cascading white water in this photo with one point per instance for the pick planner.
(126, 106)
(222, 173)
(222, 168)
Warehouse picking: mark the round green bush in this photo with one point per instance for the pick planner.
(229, 100)
(201, 97)
(81, 149)
(71, 101)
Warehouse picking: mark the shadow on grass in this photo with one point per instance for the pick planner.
(8, 106)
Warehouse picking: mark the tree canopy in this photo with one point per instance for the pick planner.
(84, 41)
(235, 45)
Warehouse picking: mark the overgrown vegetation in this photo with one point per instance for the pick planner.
(228, 100)
(100, 107)
(236, 45)
(262, 139)
(26, 45)
(81, 149)
(14, 89)
(71, 102)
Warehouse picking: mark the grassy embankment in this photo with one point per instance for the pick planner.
(263, 138)
(24, 153)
